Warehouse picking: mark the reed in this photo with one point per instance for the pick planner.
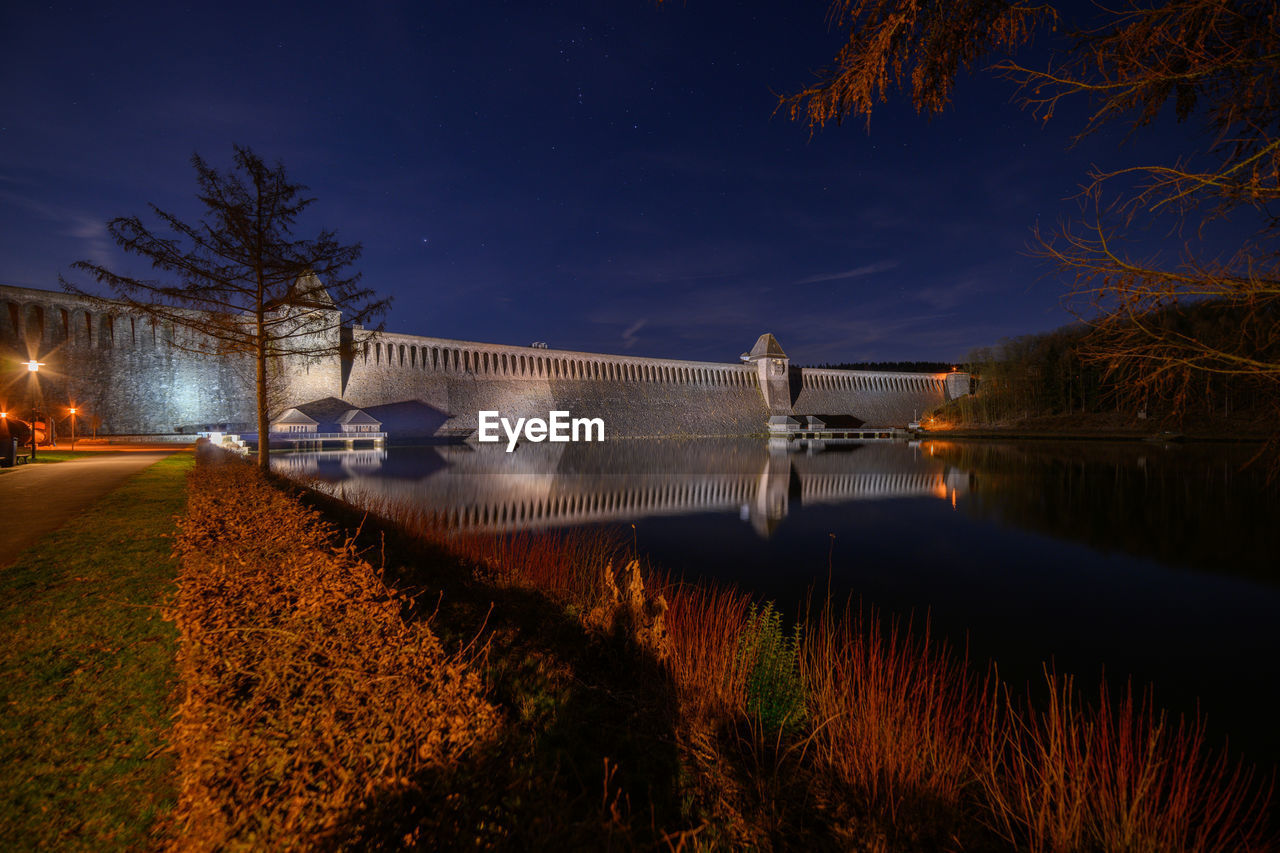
(898, 718)
(705, 623)
(1120, 775)
(565, 567)
(1035, 791)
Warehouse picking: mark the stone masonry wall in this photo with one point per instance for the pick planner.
(877, 399)
(138, 378)
(128, 374)
(634, 396)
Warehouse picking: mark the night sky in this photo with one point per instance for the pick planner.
(601, 176)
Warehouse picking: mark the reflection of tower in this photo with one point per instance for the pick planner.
(957, 480)
(773, 494)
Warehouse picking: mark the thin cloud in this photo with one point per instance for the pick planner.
(93, 236)
(88, 230)
(629, 336)
(856, 272)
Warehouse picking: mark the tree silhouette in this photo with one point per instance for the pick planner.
(1215, 61)
(238, 282)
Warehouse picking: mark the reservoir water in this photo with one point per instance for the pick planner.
(1129, 561)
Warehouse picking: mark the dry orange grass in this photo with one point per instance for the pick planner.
(307, 700)
(567, 568)
(705, 624)
(1120, 776)
(897, 718)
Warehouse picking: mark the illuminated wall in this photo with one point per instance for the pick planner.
(139, 377)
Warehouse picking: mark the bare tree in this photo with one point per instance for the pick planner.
(239, 281)
(1214, 61)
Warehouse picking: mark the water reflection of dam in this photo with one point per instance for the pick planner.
(485, 490)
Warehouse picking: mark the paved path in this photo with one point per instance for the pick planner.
(36, 500)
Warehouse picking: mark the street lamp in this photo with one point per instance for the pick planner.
(33, 367)
(73, 429)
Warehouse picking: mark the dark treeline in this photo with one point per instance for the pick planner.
(891, 366)
(1079, 370)
(1036, 375)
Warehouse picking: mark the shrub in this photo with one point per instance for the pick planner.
(770, 660)
(307, 700)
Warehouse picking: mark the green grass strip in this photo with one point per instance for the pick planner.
(46, 456)
(87, 674)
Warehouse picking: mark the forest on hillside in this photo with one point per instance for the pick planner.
(1073, 370)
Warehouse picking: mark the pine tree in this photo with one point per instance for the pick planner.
(238, 281)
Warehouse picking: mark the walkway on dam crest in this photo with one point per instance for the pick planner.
(36, 500)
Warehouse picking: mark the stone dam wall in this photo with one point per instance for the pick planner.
(634, 396)
(124, 374)
(129, 375)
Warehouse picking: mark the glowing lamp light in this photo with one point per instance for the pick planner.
(33, 365)
(73, 411)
